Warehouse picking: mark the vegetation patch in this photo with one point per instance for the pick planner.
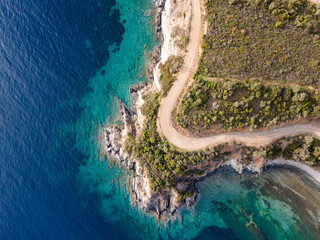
(181, 36)
(300, 13)
(302, 148)
(164, 162)
(270, 40)
(168, 71)
(274, 40)
(166, 165)
(209, 106)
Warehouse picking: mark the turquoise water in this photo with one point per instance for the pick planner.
(278, 204)
(111, 83)
(64, 66)
(231, 207)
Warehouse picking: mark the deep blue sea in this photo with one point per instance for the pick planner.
(63, 67)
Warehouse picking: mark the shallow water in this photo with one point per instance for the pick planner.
(278, 204)
(64, 65)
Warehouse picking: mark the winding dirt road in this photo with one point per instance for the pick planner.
(192, 144)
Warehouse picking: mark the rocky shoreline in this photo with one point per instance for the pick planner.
(167, 202)
(116, 136)
(131, 123)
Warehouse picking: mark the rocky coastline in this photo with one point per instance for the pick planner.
(131, 122)
(166, 203)
(115, 136)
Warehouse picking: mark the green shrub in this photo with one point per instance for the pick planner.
(279, 24)
(230, 104)
(168, 71)
(273, 40)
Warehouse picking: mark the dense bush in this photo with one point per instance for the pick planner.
(301, 148)
(300, 13)
(166, 164)
(267, 39)
(304, 148)
(230, 104)
(163, 161)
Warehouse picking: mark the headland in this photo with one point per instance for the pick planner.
(168, 153)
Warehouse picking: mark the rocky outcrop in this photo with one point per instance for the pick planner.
(185, 193)
(116, 136)
(159, 6)
(167, 202)
(160, 205)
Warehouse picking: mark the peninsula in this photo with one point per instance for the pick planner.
(234, 83)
